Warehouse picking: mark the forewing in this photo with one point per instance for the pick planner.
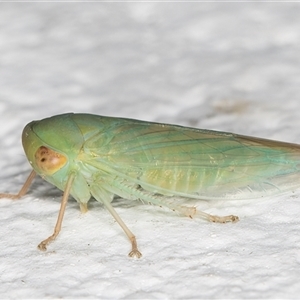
(175, 160)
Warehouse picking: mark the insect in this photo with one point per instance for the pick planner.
(88, 156)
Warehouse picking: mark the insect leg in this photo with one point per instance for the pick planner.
(134, 251)
(217, 219)
(83, 207)
(167, 201)
(189, 211)
(43, 245)
(24, 188)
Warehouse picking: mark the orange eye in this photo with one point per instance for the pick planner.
(48, 160)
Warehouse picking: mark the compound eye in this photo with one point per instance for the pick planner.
(48, 160)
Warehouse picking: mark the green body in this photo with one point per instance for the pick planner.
(151, 161)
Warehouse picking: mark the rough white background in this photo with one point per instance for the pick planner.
(224, 66)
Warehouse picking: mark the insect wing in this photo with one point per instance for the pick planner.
(180, 161)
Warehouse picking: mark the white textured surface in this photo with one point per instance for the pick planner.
(225, 66)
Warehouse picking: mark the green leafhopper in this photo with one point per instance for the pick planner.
(88, 156)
